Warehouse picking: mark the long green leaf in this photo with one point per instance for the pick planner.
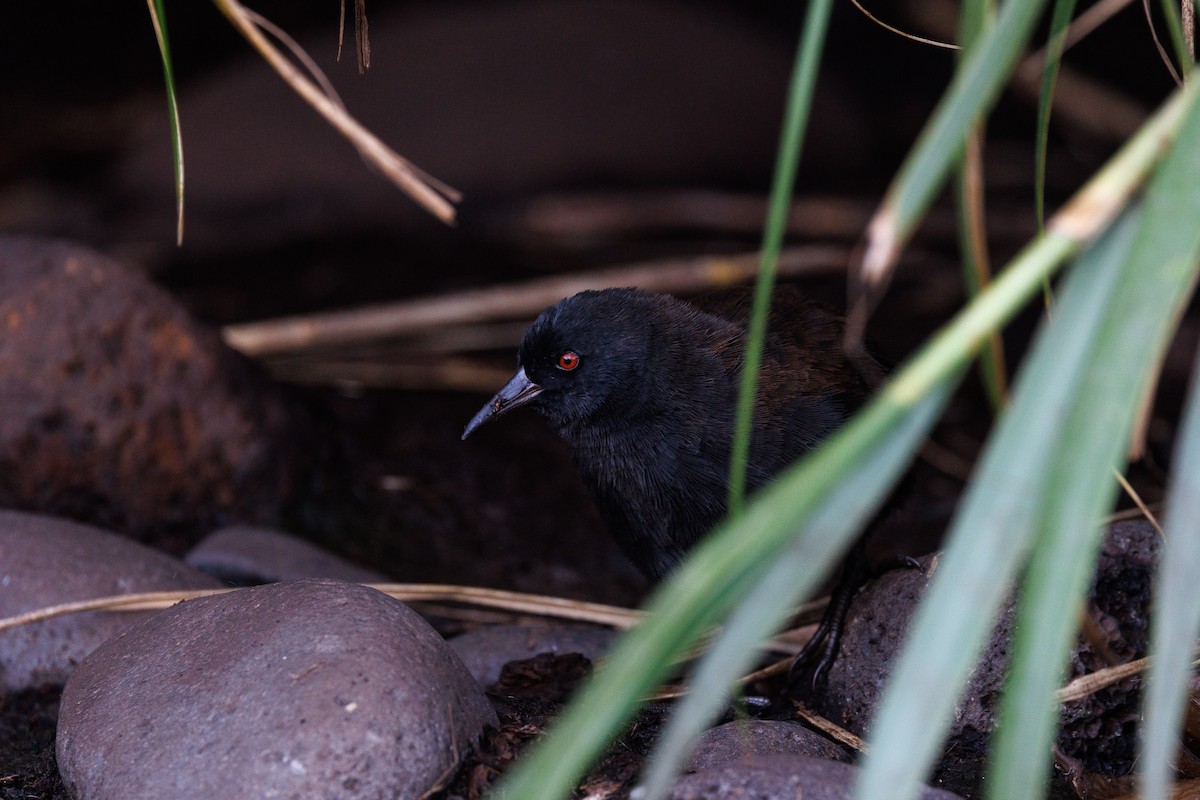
(993, 529)
(969, 197)
(986, 544)
(804, 78)
(766, 608)
(1175, 618)
(158, 16)
(1157, 276)
(1059, 22)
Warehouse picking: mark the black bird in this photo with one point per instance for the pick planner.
(643, 388)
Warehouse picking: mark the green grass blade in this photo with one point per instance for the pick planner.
(969, 198)
(1171, 14)
(1175, 618)
(1059, 21)
(1157, 276)
(792, 576)
(995, 527)
(990, 535)
(804, 78)
(158, 16)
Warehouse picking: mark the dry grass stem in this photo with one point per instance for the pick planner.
(580, 220)
(831, 729)
(433, 195)
(1093, 682)
(1132, 513)
(314, 70)
(303, 333)
(905, 34)
(1092, 18)
(995, 374)
(1158, 45)
(1143, 509)
(589, 216)
(538, 605)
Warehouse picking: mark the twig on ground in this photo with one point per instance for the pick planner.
(303, 333)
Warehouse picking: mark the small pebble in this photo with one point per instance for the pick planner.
(486, 650)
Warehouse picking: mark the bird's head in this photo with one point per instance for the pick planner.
(584, 353)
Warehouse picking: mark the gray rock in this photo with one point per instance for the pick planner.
(778, 776)
(245, 554)
(735, 742)
(309, 688)
(1099, 732)
(486, 650)
(871, 643)
(45, 561)
(120, 410)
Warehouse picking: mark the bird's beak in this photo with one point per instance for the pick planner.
(516, 393)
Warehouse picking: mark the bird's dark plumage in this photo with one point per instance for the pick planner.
(643, 388)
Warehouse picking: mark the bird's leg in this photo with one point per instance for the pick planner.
(818, 654)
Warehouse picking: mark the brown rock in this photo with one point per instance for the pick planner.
(118, 409)
(45, 561)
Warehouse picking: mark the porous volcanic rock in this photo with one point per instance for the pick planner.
(309, 688)
(1101, 730)
(118, 409)
(1098, 734)
(45, 561)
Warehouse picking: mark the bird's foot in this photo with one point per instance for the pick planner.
(812, 663)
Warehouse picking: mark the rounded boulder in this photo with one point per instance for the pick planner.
(310, 688)
(45, 561)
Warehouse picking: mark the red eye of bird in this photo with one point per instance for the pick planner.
(568, 361)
